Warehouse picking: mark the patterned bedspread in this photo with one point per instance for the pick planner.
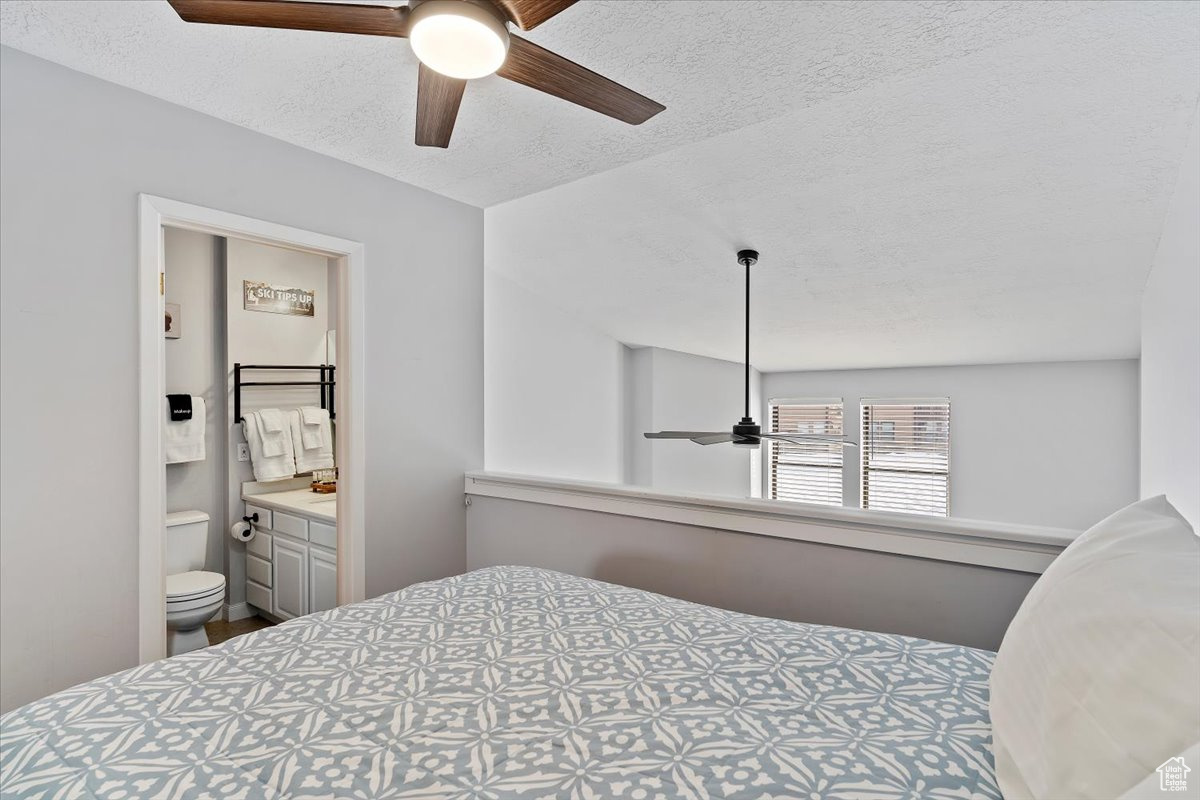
(514, 682)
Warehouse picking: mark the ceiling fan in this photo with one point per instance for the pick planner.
(455, 40)
(747, 432)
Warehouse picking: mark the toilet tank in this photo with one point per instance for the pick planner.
(185, 541)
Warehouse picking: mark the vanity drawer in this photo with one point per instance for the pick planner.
(322, 534)
(264, 516)
(296, 527)
(258, 570)
(260, 545)
(258, 596)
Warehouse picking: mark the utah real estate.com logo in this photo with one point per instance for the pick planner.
(1172, 775)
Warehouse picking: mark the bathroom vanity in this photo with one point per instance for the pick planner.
(291, 563)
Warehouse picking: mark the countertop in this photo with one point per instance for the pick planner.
(302, 502)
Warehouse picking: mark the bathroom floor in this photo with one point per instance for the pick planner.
(222, 631)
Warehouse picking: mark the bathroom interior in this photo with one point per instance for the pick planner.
(250, 537)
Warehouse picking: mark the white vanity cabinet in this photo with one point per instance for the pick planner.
(322, 580)
(291, 563)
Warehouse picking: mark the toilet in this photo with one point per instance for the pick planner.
(193, 596)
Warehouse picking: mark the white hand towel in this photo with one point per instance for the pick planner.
(272, 420)
(267, 468)
(314, 428)
(184, 440)
(310, 458)
(271, 429)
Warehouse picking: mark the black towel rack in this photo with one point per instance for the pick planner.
(327, 383)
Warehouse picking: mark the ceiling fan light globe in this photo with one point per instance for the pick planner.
(747, 445)
(457, 38)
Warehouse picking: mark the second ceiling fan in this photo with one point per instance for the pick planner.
(455, 40)
(747, 432)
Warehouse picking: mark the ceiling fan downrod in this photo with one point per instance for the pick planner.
(747, 427)
(747, 432)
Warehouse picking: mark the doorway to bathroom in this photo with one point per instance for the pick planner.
(251, 337)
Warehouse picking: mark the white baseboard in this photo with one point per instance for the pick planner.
(232, 613)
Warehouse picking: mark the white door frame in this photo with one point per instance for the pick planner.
(154, 213)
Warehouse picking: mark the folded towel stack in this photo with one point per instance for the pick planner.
(268, 467)
(312, 438)
(184, 439)
(285, 443)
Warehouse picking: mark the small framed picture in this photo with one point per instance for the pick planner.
(173, 322)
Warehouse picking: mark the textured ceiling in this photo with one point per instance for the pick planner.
(929, 182)
(1003, 205)
(717, 65)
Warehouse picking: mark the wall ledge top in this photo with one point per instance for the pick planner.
(1005, 545)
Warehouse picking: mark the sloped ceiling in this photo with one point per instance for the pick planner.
(1001, 206)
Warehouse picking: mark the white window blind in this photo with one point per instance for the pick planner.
(906, 455)
(806, 473)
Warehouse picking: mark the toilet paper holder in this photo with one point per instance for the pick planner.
(252, 518)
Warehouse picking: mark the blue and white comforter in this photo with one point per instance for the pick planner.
(514, 682)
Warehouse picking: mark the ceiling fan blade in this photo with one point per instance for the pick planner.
(806, 438)
(681, 434)
(438, 98)
(548, 72)
(716, 438)
(528, 14)
(333, 17)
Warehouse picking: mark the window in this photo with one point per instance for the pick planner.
(806, 473)
(906, 456)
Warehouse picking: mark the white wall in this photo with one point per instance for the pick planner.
(256, 337)
(670, 390)
(1045, 444)
(638, 372)
(1171, 349)
(552, 389)
(75, 152)
(563, 399)
(762, 575)
(195, 364)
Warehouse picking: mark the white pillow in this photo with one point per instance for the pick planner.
(1097, 681)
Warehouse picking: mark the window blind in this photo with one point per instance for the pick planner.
(906, 455)
(806, 473)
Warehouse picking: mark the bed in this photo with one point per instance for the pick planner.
(514, 682)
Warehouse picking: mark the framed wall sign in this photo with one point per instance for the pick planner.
(259, 296)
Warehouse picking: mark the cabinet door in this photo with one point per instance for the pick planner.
(322, 580)
(290, 588)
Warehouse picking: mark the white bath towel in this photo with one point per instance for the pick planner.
(184, 439)
(310, 458)
(314, 424)
(273, 432)
(267, 468)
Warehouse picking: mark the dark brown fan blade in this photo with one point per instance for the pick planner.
(804, 438)
(548, 72)
(333, 17)
(680, 434)
(438, 98)
(528, 14)
(716, 438)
